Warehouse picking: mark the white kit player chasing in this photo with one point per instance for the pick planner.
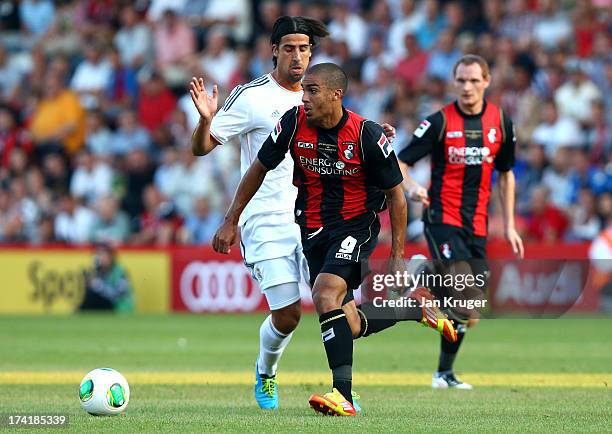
(270, 238)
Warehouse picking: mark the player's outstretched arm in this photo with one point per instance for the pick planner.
(506, 196)
(396, 202)
(250, 183)
(201, 141)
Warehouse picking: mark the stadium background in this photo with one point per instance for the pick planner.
(95, 124)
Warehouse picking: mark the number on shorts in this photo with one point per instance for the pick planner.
(348, 245)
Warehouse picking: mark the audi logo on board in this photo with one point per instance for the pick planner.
(214, 286)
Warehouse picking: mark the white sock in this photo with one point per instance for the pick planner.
(272, 343)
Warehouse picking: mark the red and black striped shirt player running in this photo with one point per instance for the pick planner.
(467, 140)
(346, 172)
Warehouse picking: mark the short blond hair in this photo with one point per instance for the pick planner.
(470, 59)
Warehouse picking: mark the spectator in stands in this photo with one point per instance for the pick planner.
(428, 31)
(349, 27)
(56, 172)
(38, 191)
(557, 178)
(24, 212)
(200, 226)
(584, 223)
(236, 16)
(18, 163)
(111, 224)
(197, 178)
(261, 60)
(555, 131)
(553, 27)
(519, 23)
(11, 136)
(122, 90)
(520, 102)
(92, 178)
(158, 8)
(269, 11)
(412, 67)
(598, 133)
(407, 23)
(133, 40)
(107, 286)
(98, 136)
(167, 176)
(7, 223)
(92, 76)
(156, 102)
(175, 45)
(58, 122)
(241, 72)
(377, 58)
(218, 61)
(159, 223)
(11, 74)
(585, 175)
(130, 135)
(529, 175)
(444, 56)
(179, 128)
(576, 96)
(138, 174)
(74, 222)
(36, 16)
(545, 222)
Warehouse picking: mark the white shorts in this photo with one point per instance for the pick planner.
(269, 236)
(271, 248)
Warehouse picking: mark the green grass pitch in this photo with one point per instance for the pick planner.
(193, 373)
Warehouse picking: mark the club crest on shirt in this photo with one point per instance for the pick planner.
(348, 150)
(492, 135)
(446, 251)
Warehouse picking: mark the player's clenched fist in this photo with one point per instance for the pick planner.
(206, 104)
(224, 238)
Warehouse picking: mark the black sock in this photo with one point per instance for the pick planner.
(343, 381)
(375, 319)
(338, 342)
(448, 351)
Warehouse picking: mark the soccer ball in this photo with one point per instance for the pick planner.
(104, 391)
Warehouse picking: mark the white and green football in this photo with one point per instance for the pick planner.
(104, 392)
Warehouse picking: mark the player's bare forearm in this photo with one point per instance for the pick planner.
(416, 191)
(506, 196)
(249, 184)
(396, 202)
(201, 141)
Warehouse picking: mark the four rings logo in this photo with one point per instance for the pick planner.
(214, 286)
(469, 155)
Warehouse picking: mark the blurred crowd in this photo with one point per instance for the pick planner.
(95, 118)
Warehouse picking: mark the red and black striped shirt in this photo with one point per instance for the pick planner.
(340, 172)
(464, 151)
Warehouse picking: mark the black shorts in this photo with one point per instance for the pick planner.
(342, 250)
(452, 243)
(448, 244)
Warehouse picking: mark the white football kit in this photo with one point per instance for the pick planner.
(271, 245)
